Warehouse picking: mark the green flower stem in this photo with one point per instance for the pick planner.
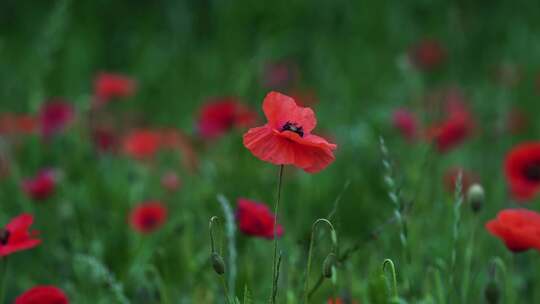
(274, 261)
(394, 277)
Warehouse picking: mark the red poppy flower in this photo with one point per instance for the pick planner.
(142, 144)
(221, 115)
(286, 139)
(406, 122)
(40, 187)
(427, 54)
(468, 178)
(255, 219)
(108, 86)
(16, 237)
(43, 295)
(454, 129)
(518, 228)
(170, 181)
(54, 116)
(522, 169)
(148, 217)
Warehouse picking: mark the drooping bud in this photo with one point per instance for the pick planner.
(492, 292)
(328, 265)
(217, 263)
(476, 197)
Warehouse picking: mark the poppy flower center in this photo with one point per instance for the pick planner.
(532, 172)
(149, 222)
(4, 236)
(293, 127)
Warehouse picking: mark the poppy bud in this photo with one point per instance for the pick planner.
(328, 264)
(492, 292)
(475, 197)
(217, 263)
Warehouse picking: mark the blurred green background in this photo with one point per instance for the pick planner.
(351, 54)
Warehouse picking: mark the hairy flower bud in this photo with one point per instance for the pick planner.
(476, 197)
(328, 264)
(492, 292)
(217, 263)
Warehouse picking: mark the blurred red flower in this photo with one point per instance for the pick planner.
(427, 55)
(13, 124)
(108, 86)
(255, 219)
(340, 301)
(518, 228)
(219, 116)
(148, 217)
(522, 169)
(286, 139)
(279, 74)
(54, 117)
(43, 295)
(16, 235)
(178, 140)
(142, 144)
(406, 122)
(454, 129)
(41, 186)
(170, 181)
(105, 140)
(468, 178)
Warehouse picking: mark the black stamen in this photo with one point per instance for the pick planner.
(532, 172)
(293, 127)
(149, 221)
(4, 236)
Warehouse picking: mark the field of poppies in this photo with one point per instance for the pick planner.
(269, 152)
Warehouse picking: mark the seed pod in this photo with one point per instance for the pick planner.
(217, 263)
(492, 292)
(476, 197)
(328, 264)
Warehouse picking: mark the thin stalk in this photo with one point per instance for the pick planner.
(310, 252)
(274, 293)
(455, 230)
(394, 277)
(225, 289)
(275, 259)
(5, 266)
(468, 264)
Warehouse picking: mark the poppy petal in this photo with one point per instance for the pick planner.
(280, 109)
